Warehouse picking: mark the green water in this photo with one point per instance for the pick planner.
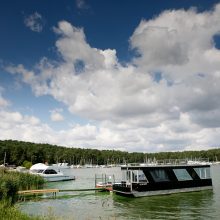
(91, 205)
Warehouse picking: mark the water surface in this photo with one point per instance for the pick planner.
(93, 205)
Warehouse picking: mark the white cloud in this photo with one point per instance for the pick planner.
(3, 102)
(56, 115)
(127, 105)
(176, 38)
(73, 47)
(34, 22)
(81, 4)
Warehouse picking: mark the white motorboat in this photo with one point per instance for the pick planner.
(49, 173)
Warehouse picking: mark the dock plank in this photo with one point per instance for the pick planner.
(37, 191)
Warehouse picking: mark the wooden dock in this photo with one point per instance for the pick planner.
(55, 191)
(38, 191)
(103, 183)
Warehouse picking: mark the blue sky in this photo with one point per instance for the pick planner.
(125, 75)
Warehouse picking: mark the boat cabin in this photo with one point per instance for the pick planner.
(147, 180)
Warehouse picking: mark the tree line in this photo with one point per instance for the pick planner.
(16, 152)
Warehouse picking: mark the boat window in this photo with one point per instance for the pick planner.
(134, 176)
(128, 176)
(124, 175)
(40, 171)
(138, 176)
(141, 176)
(203, 172)
(50, 172)
(37, 171)
(182, 174)
(159, 175)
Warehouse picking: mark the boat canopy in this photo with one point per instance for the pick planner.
(39, 166)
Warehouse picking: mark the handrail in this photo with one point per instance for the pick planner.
(204, 161)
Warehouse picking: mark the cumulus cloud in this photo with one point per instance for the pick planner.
(34, 22)
(167, 98)
(15, 125)
(3, 102)
(56, 115)
(176, 38)
(73, 47)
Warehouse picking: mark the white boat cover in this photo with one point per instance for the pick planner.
(39, 166)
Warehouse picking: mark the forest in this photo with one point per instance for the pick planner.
(17, 152)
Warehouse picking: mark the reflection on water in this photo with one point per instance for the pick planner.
(92, 205)
(176, 206)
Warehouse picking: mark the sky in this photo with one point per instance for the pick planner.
(136, 76)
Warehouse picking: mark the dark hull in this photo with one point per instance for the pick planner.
(134, 193)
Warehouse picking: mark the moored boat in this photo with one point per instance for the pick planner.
(104, 182)
(139, 180)
(49, 173)
(61, 165)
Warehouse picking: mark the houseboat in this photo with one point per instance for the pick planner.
(163, 178)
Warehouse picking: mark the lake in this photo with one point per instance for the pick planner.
(98, 205)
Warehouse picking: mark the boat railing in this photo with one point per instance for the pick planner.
(104, 179)
(204, 161)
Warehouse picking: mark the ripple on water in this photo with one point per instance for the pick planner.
(91, 205)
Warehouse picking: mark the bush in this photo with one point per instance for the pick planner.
(27, 164)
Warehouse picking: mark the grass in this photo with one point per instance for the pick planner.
(11, 182)
(9, 212)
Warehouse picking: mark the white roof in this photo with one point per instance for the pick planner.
(39, 166)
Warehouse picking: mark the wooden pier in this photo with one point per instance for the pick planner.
(24, 193)
(102, 184)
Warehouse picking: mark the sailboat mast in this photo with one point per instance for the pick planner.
(4, 158)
